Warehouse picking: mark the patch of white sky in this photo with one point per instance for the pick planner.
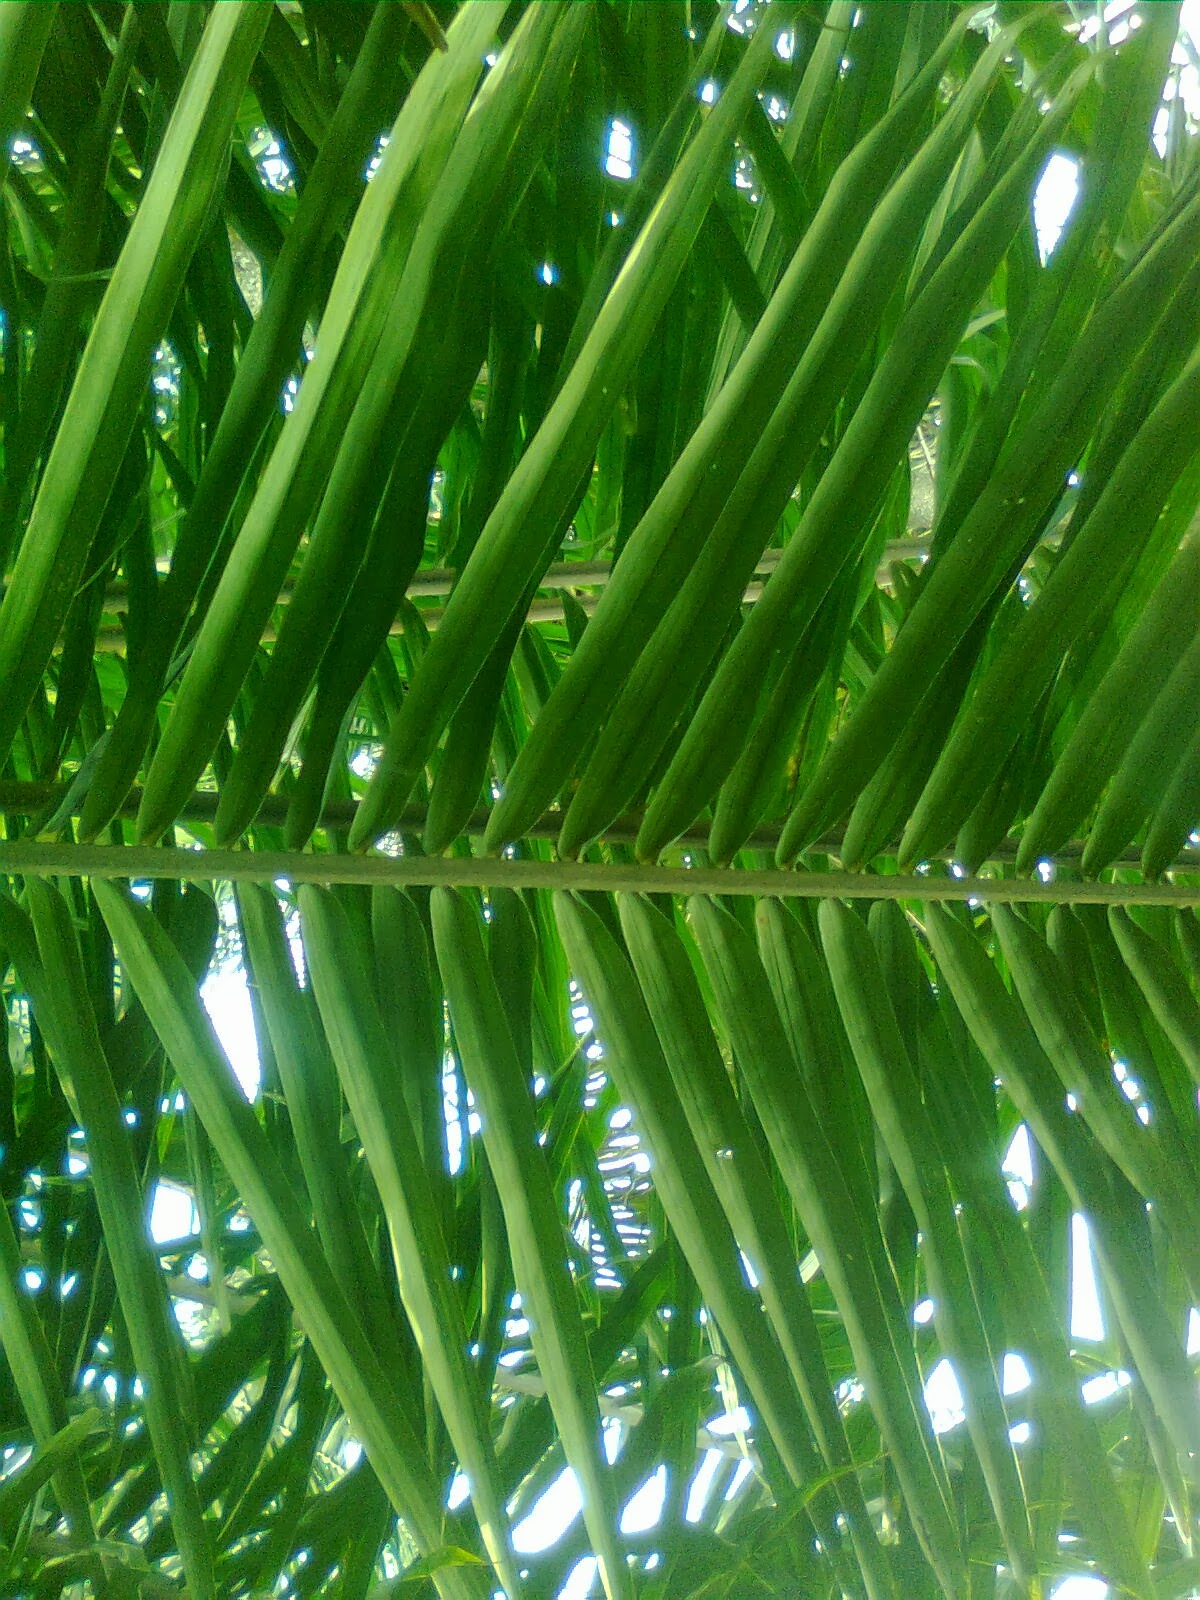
(226, 997)
(273, 165)
(1053, 201)
(618, 159)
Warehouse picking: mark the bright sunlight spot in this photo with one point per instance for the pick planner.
(644, 1507)
(460, 1491)
(173, 1214)
(944, 1397)
(701, 1485)
(731, 1422)
(1080, 1589)
(227, 1001)
(1016, 1374)
(1103, 1386)
(1056, 194)
(1087, 1320)
(579, 1585)
(550, 1516)
(1018, 1168)
(619, 160)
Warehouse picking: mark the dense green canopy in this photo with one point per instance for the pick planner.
(602, 570)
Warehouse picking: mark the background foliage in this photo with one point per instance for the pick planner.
(633, 433)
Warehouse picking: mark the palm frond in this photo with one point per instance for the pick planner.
(602, 571)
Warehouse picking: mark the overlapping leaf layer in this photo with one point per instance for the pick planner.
(667, 568)
(631, 433)
(752, 1160)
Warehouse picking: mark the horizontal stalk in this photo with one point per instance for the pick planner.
(575, 575)
(29, 858)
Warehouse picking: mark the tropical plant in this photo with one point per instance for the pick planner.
(602, 568)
